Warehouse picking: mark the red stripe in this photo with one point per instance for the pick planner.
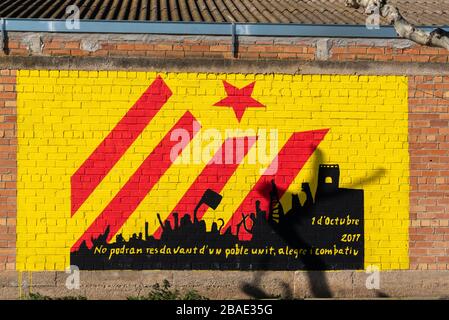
(214, 176)
(290, 161)
(111, 149)
(139, 185)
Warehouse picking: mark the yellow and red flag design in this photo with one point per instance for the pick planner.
(96, 157)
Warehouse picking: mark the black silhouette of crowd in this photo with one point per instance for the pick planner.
(272, 229)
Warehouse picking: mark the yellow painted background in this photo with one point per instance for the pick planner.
(64, 115)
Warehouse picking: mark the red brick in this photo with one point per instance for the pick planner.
(72, 45)
(375, 51)
(126, 47)
(54, 45)
(220, 48)
(143, 46)
(162, 47)
(200, 48)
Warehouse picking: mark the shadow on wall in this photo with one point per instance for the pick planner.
(4, 43)
(318, 282)
(293, 230)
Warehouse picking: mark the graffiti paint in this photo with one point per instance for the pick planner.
(97, 186)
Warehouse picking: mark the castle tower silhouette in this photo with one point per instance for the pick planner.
(328, 180)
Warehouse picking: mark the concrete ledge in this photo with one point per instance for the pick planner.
(233, 284)
(223, 65)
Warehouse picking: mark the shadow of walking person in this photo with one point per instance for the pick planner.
(291, 227)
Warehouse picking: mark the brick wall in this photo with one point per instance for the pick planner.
(300, 49)
(429, 175)
(8, 169)
(428, 120)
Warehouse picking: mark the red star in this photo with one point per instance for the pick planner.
(239, 99)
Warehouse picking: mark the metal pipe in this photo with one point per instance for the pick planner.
(200, 28)
(234, 41)
(3, 35)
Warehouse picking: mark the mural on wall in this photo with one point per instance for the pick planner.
(126, 170)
